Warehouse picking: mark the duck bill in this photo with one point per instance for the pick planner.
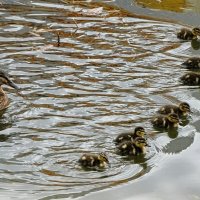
(13, 85)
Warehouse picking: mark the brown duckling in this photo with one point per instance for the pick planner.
(181, 110)
(4, 80)
(94, 160)
(192, 63)
(169, 121)
(138, 132)
(191, 78)
(187, 34)
(135, 147)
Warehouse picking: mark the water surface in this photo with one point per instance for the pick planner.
(110, 72)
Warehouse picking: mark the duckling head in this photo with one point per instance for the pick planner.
(5, 80)
(140, 142)
(185, 107)
(103, 157)
(139, 131)
(173, 118)
(196, 31)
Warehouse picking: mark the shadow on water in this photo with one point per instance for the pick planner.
(178, 145)
(107, 74)
(3, 137)
(195, 44)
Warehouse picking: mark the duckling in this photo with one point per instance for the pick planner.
(135, 147)
(138, 132)
(4, 80)
(192, 63)
(191, 78)
(187, 34)
(181, 110)
(169, 121)
(94, 160)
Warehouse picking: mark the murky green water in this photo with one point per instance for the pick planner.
(110, 73)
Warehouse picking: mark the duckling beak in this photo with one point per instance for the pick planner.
(181, 123)
(188, 110)
(13, 85)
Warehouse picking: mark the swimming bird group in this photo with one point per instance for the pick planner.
(133, 144)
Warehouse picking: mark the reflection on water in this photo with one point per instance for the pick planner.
(170, 5)
(195, 44)
(109, 74)
(3, 137)
(175, 6)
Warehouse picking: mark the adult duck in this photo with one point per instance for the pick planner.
(5, 80)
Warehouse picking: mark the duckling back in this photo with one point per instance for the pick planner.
(169, 121)
(126, 148)
(138, 132)
(93, 160)
(133, 148)
(181, 110)
(186, 34)
(124, 137)
(191, 79)
(167, 109)
(160, 122)
(192, 63)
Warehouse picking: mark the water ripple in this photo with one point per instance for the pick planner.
(109, 74)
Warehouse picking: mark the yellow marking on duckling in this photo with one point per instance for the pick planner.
(103, 164)
(185, 34)
(164, 122)
(175, 125)
(92, 160)
(144, 150)
(188, 76)
(156, 119)
(184, 113)
(134, 152)
(83, 158)
(121, 138)
(124, 146)
(162, 109)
